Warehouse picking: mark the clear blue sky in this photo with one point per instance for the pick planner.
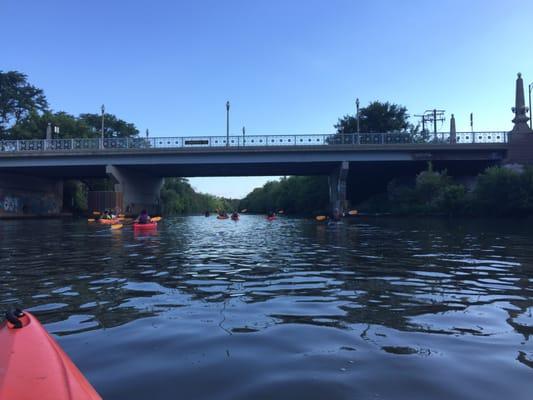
(286, 66)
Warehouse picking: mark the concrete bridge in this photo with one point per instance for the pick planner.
(30, 168)
(32, 171)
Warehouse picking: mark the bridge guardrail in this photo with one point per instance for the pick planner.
(349, 139)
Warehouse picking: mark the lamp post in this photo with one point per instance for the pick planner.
(357, 113)
(227, 123)
(243, 135)
(102, 133)
(530, 86)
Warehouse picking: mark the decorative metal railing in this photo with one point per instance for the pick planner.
(351, 139)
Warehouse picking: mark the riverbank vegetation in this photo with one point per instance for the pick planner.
(294, 195)
(179, 197)
(498, 191)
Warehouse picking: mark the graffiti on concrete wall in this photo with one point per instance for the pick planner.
(10, 204)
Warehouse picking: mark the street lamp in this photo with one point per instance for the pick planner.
(530, 86)
(243, 135)
(227, 123)
(357, 112)
(102, 133)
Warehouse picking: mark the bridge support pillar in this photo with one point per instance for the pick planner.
(140, 191)
(337, 188)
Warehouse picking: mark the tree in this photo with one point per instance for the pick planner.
(18, 100)
(377, 117)
(113, 126)
(34, 126)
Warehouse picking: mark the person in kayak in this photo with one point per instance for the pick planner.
(107, 215)
(271, 214)
(207, 214)
(235, 215)
(143, 218)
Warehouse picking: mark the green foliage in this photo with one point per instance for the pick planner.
(296, 195)
(504, 192)
(18, 99)
(34, 126)
(178, 197)
(75, 196)
(24, 114)
(113, 126)
(377, 117)
(499, 191)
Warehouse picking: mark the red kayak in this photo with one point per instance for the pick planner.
(33, 366)
(145, 227)
(271, 218)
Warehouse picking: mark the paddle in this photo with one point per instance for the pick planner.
(321, 218)
(353, 212)
(244, 210)
(91, 220)
(96, 213)
(155, 219)
(116, 226)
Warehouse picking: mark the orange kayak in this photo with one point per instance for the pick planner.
(144, 227)
(109, 221)
(33, 366)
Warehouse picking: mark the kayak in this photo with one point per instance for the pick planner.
(271, 218)
(33, 366)
(235, 217)
(222, 217)
(145, 227)
(109, 221)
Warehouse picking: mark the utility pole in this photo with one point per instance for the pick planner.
(431, 116)
(227, 123)
(357, 113)
(243, 135)
(472, 123)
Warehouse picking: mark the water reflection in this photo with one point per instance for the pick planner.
(399, 287)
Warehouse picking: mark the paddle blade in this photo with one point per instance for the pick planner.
(121, 215)
(353, 212)
(155, 219)
(321, 218)
(96, 212)
(116, 226)
(244, 210)
(90, 220)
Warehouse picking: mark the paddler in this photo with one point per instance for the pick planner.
(143, 218)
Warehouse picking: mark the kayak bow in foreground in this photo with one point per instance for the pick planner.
(33, 366)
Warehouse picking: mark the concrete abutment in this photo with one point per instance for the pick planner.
(140, 191)
(30, 196)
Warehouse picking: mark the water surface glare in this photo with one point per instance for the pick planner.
(289, 309)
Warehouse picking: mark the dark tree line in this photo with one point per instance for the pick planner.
(25, 114)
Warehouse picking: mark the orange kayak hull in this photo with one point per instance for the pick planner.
(109, 221)
(33, 366)
(145, 227)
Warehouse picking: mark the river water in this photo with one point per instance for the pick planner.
(289, 309)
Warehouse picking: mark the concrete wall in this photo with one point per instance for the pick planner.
(140, 191)
(28, 196)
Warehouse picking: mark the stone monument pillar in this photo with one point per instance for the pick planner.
(453, 132)
(520, 110)
(520, 138)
